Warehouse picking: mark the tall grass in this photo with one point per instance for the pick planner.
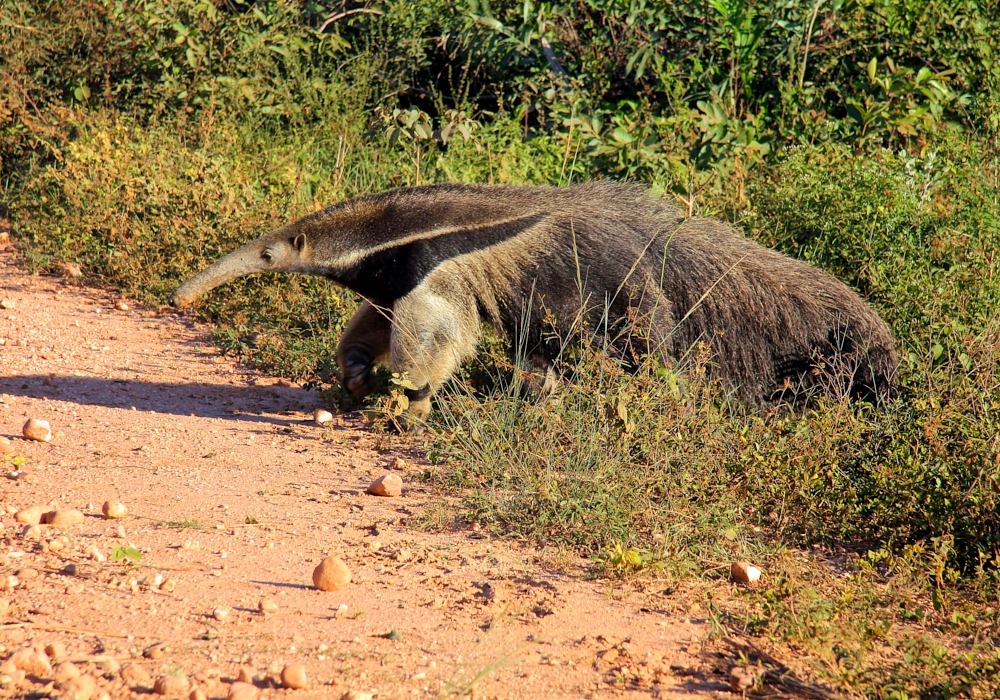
(655, 473)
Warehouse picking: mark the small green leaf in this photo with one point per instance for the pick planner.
(118, 553)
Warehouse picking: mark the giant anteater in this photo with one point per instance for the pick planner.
(434, 262)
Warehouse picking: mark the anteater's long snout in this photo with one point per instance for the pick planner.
(239, 263)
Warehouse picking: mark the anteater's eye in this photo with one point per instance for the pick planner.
(266, 256)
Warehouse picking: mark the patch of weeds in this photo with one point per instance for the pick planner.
(554, 558)
(186, 524)
(436, 517)
(14, 462)
(894, 621)
(628, 560)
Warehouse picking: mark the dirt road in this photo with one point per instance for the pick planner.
(235, 494)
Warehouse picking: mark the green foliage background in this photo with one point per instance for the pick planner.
(142, 140)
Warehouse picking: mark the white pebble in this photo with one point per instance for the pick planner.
(745, 573)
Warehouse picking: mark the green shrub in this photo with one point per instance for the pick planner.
(144, 208)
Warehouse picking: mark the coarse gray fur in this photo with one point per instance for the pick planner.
(540, 263)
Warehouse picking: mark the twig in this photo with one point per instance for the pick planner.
(26, 96)
(709, 290)
(782, 677)
(187, 566)
(61, 628)
(21, 26)
(450, 98)
(99, 659)
(805, 54)
(333, 18)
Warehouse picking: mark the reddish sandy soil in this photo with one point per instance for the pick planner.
(235, 494)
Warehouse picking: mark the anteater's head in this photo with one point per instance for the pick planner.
(367, 244)
(284, 250)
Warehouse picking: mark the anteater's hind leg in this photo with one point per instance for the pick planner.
(540, 379)
(435, 328)
(364, 344)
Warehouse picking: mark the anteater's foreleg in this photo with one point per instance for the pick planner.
(435, 328)
(364, 344)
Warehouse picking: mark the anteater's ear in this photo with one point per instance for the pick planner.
(299, 242)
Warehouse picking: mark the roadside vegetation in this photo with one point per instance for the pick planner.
(143, 140)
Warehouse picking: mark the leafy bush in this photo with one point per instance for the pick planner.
(143, 208)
